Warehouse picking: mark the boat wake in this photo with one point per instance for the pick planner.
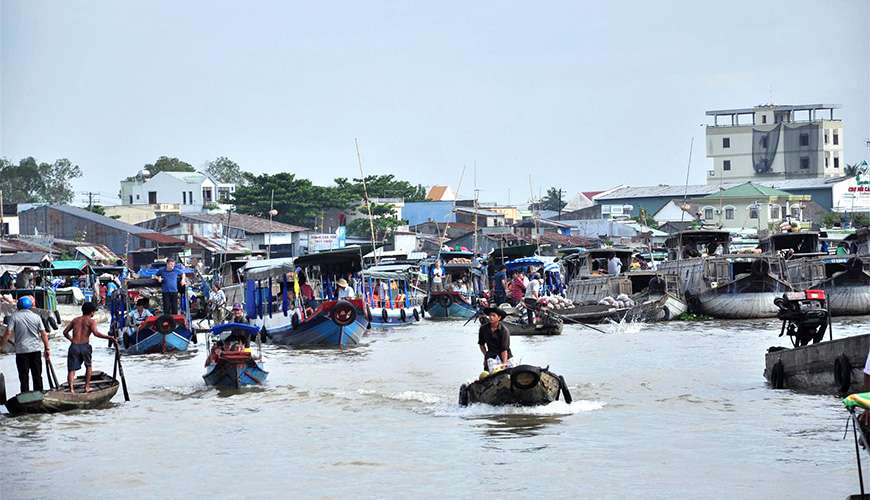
(626, 326)
(554, 409)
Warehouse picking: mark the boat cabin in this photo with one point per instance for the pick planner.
(585, 263)
(790, 245)
(698, 243)
(859, 242)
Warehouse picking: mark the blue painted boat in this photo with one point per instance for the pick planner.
(448, 305)
(231, 364)
(335, 323)
(159, 334)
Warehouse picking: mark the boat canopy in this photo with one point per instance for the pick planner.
(697, 237)
(340, 260)
(804, 242)
(70, 267)
(539, 261)
(390, 272)
(268, 268)
(224, 330)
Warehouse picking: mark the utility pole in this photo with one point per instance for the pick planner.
(90, 195)
(560, 204)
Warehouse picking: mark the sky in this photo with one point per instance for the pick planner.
(578, 95)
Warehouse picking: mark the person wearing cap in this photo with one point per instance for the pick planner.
(238, 314)
(345, 291)
(30, 339)
(493, 338)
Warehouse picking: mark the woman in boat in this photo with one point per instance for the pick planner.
(344, 290)
(517, 289)
(307, 293)
(493, 338)
(437, 277)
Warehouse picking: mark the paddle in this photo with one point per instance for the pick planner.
(121, 372)
(51, 375)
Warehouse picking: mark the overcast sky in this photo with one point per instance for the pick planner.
(582, 95)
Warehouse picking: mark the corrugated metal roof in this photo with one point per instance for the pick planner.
(96, 218)
(695, 190)
(219, 245)
(25, 258)
(248, 223)
(97, 253)
(163, 239)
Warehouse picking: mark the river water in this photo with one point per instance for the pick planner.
(670, 410)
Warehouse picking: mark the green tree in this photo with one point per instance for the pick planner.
(384, 218)
(168, 164)
(223, 169)
(297, 201)
(97, 209)
(32, 182)
(382, 186)
(553, 201)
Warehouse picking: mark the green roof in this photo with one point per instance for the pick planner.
(69, 265)
(748, 190)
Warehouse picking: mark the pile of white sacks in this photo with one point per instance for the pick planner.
(620, 302)
(555, 302)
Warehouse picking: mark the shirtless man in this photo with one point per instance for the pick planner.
(80, 350)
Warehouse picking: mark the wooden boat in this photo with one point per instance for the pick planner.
(720, 284)
(448, 305)
(847, 277)
(159, 334)
(103, 388)
(390, 311)
(525, 329)
(335, 323)
(523, 385)
(812, 364)
(586, 274)
(231, 364)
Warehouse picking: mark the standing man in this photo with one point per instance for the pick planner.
(493, 338)
(80, 351)
(170, 277)
(614, 265)
(499, 286)
(30, 339)
(217, 300)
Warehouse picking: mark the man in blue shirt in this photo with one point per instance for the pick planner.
(499, 283)
(170, 277)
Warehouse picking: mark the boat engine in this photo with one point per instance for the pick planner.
(804, 315)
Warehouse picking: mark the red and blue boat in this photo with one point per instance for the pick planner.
(159, 334)
(335, 323)
(231, 364)
(388, 295)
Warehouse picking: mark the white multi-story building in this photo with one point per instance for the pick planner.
(191, 191)
(770, 141)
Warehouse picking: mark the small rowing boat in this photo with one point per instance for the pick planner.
(523, 385)
(231, 363)
(103, 388)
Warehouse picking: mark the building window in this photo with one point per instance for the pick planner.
(708, 213)
(826, 161)
(764, 142)
(836, 138)
(805, 162)
(206, 195)
(763, 118)
(190, 196)
(152, 197)
(729, 213)
(726, 165)
(796, 213)
(184, 197)
(805, 139)
(836, 162)
(131, 199)
(753, 212)
(826, 136)
(774, 212)
(726, 142)
(137, 196)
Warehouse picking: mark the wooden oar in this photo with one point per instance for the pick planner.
(51, 375)
(121, 372)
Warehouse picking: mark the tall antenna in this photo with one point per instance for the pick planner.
(535, 213)
(686, 189)
(368, 203)
(476, 194)
(447, 225)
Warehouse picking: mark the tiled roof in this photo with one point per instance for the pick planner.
(248, 223)
(163, 239)
(747, 190)
(220, 245)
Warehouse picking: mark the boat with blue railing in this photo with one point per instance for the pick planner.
(847, 276)
(339, 318)
(449, 279)
(230, 363)
(388, 292)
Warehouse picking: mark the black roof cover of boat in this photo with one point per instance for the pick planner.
(697, 236)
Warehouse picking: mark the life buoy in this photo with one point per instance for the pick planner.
(425, 303)
(57, 316)
(759, 267)
(666, 313)
(403, 315)
(416, 315)
(165, 324)
(566, 394)
(343, 313)
(368, 314)
(525, 377)
(842, 373)
(294, 320)
(385, 316)
(445, 301)
(463, 395)
(777, 376)
(656, 285)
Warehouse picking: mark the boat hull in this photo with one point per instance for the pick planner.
(320, 331)
(234, 375)
(521, 329)
(497, 389)
(448, 306)
(394, 317)
(812, 368)
(151, 342)
(848, 293)
(103, 389)
(739, 305)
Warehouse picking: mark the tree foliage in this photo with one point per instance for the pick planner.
(33, 182)
(384, 217)
(223, 169)
(297, 201)
(97, 209)
(168, 164)
(381, 186)
(553, 201)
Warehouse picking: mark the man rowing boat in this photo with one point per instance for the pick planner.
(80, 351)
(493, 337)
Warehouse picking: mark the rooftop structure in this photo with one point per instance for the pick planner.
(775, 142)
